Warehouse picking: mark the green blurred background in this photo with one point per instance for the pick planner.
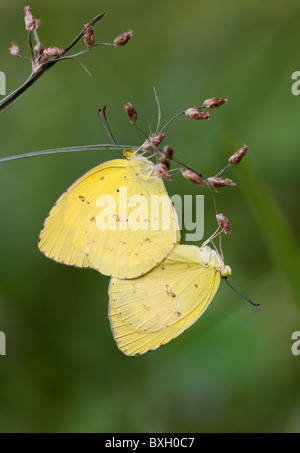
(232, 371)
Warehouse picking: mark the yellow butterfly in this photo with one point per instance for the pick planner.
(149, 311)
(84, 230)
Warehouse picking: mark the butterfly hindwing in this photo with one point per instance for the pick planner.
(149, 311)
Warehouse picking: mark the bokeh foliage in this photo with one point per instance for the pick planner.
(233, 371)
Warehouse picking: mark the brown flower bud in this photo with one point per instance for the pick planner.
(224, 224)
(15, 50)
(168, 152)
(153, 141)
(123, 38)
(220, 182)
(89, 38)
(53, 52)
(193, 177)
(29, 19)
(165, 162)
(46, 54)
(197, 114)
(131, 112)
(238, 155)
(214, 102)
(157, 139)
(163, 171)
(166, 156)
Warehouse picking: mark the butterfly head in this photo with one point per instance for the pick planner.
(226, 272)
(127, 153)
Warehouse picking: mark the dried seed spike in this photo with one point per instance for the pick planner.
(29, 19)
(123, 38)
(166, 156)
(165, 162)
(214, 102)
(153, 141)
(163, 171)
(15, 50)
(224, 224)
(220, 182)
(156, 139)
(168, 152)
(53, 52)
(131, 112)
(89, 37)
(238, 155)
(197, 114)
(193, 177)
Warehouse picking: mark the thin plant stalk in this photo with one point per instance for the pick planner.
(34, 77)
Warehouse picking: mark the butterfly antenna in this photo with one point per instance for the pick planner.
(253, 303)
(105, 124)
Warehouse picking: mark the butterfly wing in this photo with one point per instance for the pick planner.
(62, 237)
(149, 311)
(75, 233)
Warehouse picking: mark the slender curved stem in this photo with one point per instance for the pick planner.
(34, 77)
(71, 149)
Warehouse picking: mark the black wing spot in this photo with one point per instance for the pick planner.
(169, 292)
(196, 286)
(82, 198)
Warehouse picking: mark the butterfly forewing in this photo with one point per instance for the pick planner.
(77, 232)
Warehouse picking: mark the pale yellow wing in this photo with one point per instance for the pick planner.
(136, 240)
(149, 311)
(62, 237)
(72, 232)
